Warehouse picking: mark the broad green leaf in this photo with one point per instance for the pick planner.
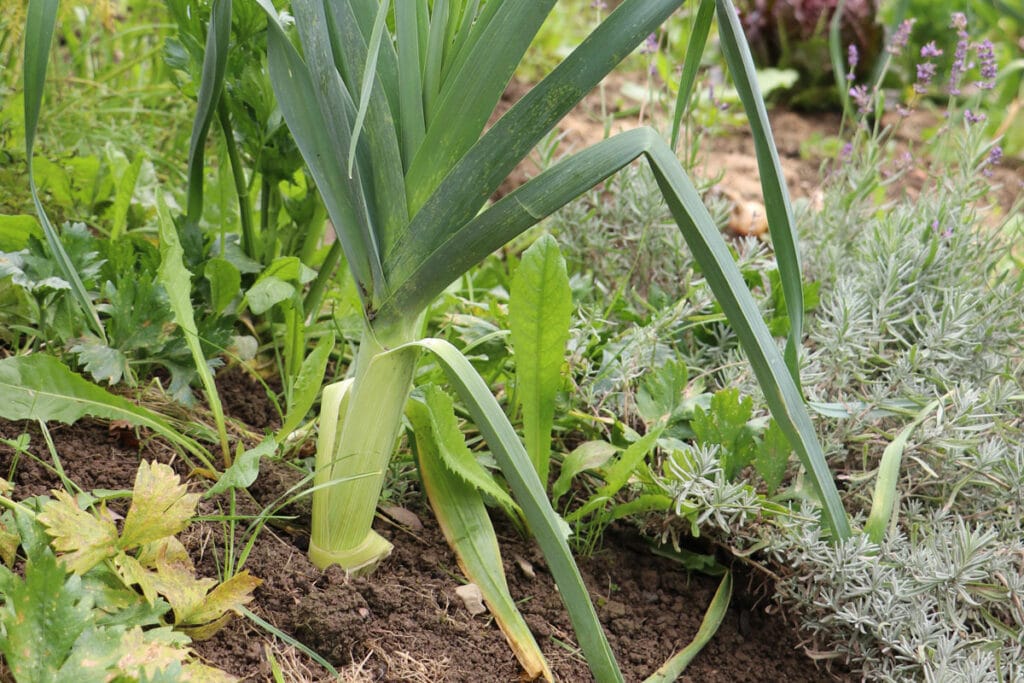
(99, 360)
(464, 521)
(177, 281)
(225, 282)
(95, 656)
(161, 506)
(15, 231)
(589, 455)
(540, 312)
(719, 607)
(244, 468)
(772, 457)
(306, 385)
(453, 452)
(42, 616)
(39, 387)
(548, 528)
(85, 539)
(268, 292)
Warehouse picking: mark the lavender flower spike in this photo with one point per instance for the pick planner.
(899, 40)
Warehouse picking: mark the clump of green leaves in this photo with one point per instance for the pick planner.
(96, 602)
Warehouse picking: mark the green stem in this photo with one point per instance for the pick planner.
(350, 468)
(238, 174)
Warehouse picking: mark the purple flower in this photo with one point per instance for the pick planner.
(973, 118)
(862, 97)
(846, 152)
(956, 71)
(650, 45)
(987, 64)
(930, 50)
(599, 4)
(958, 21)
(852, 59)
(995, 155)
(899, 40)
(925, 74)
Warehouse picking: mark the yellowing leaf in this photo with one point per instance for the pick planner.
(85, 539)
(149, 656)
(161, 506)
(197, 672)
(177, 583)
(170, 549)
(228, 596)
(132, 573)
(9, 543)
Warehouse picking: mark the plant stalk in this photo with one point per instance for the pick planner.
(353, 455)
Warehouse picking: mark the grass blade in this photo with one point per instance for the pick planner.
(883, 499)
(778, 209)
(369, 70)
(540, 312)
(674, 668)
(691, 64)
(463, 517)
(39, 25)
(548, 528)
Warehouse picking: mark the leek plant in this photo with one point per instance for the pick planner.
(389, 106)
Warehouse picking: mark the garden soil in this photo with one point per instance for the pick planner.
(406, 622)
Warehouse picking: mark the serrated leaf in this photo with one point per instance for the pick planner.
(772, 456)
(244, 469)
(85, 539)
(161, 506)
(42, 616)
(177, 583)
(589, 455)
(229, 596)
(99, 360)
(725, 424)
(454, 453)
(540, 311)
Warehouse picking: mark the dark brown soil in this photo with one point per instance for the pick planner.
(405, 623)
